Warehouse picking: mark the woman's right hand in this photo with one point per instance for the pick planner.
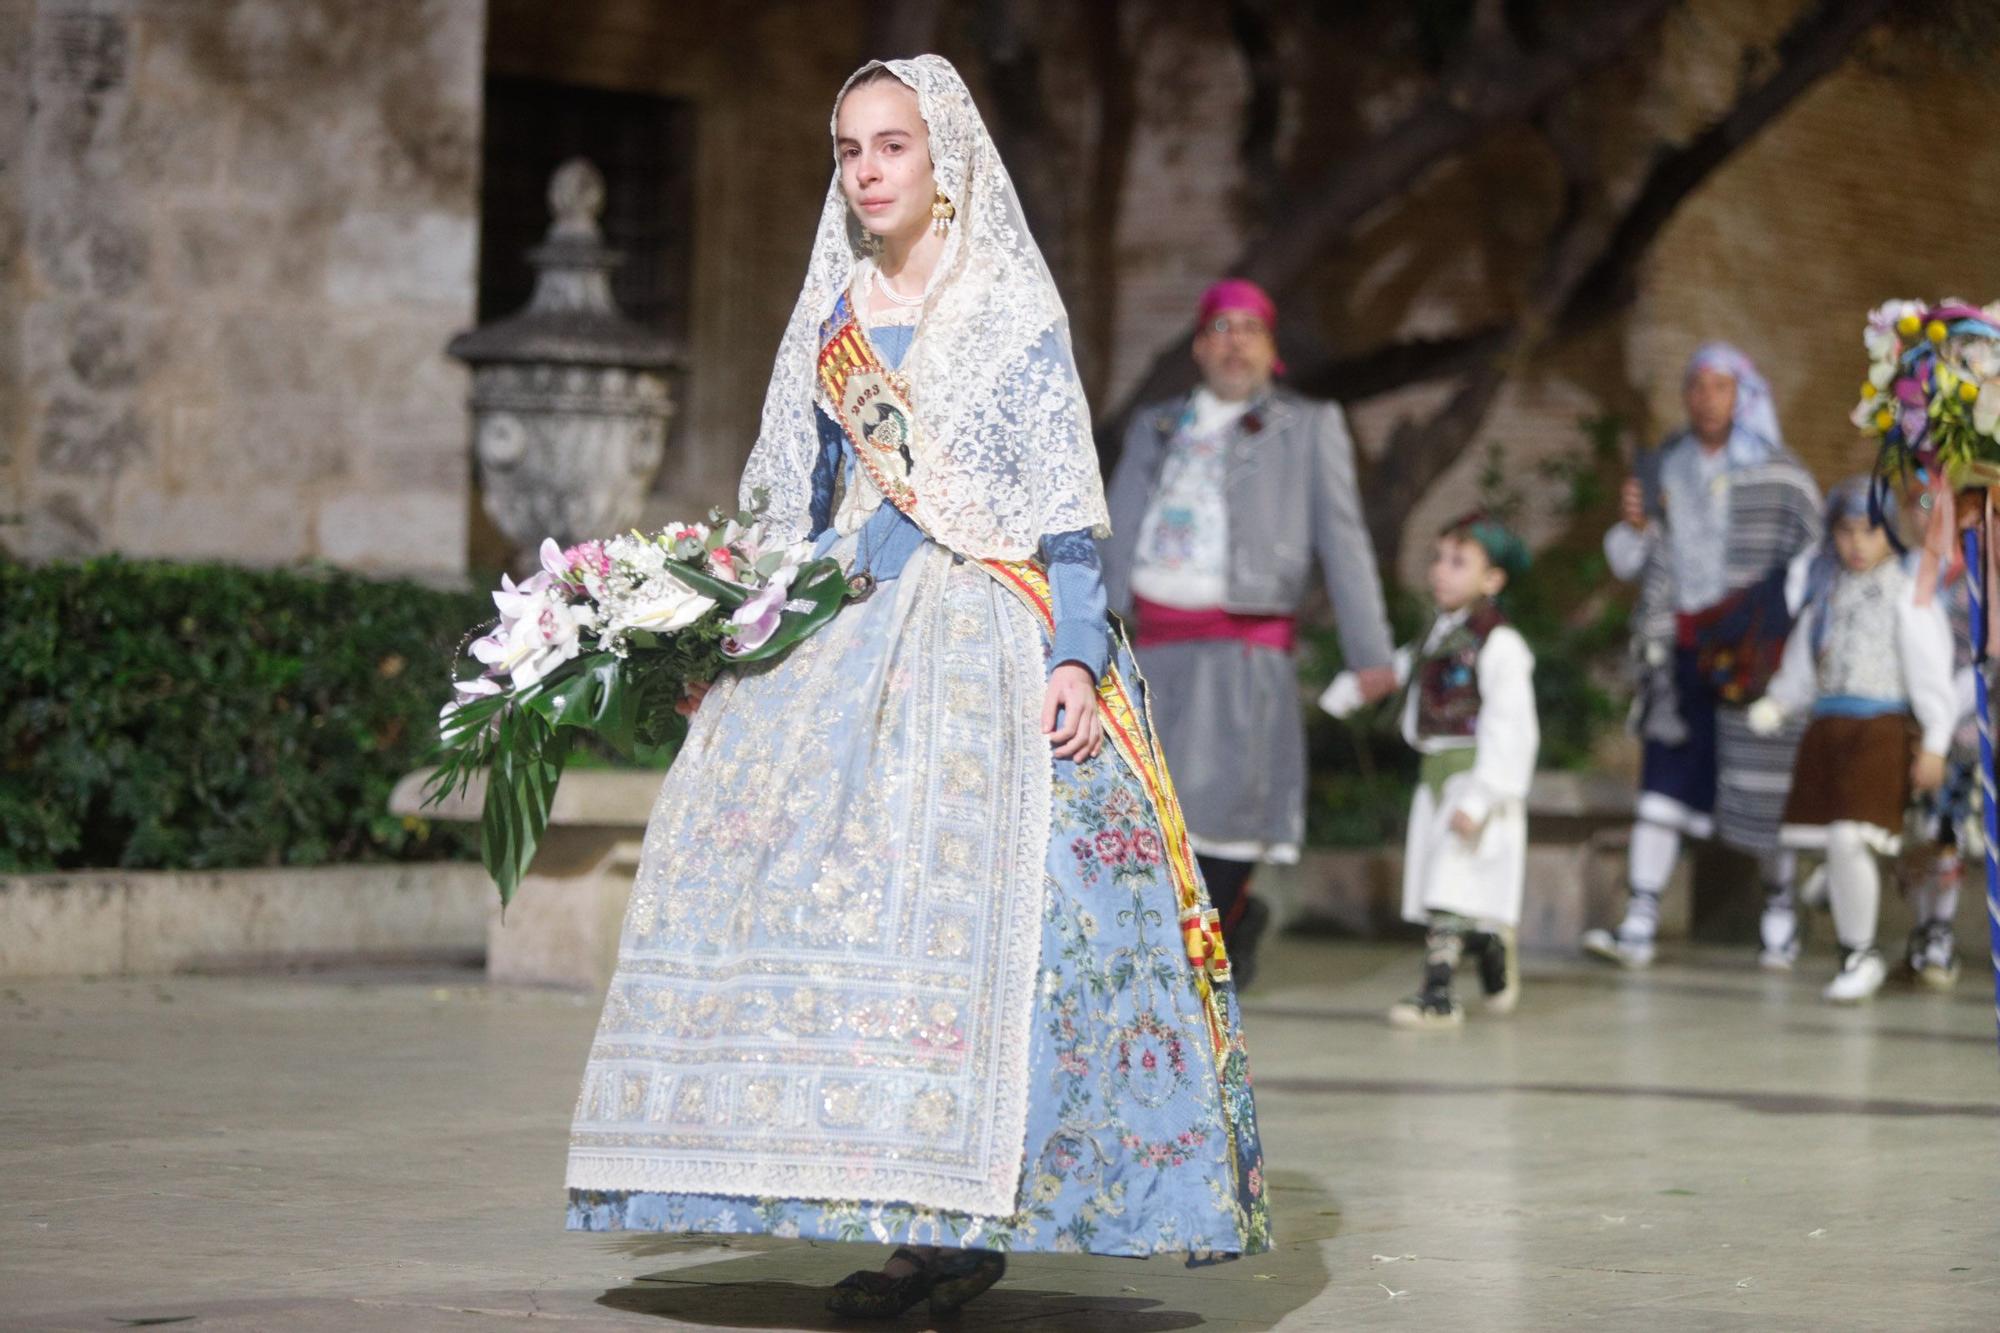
(691, 696)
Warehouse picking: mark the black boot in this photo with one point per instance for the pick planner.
(1499, 967)
(1433, 1005)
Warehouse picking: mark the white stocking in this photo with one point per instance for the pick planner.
(1854, 882)
(1778, 870)
(1946, 875)
(1655, 848)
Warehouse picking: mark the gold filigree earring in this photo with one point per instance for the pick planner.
(942, 212)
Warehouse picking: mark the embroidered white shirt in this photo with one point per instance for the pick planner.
(1183, 553)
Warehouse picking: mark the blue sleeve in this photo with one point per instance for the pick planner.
(1076, 586)
(826, 468)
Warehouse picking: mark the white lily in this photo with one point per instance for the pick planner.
(479, 687)
(514, 600)
(673, 606)
(1986, 410)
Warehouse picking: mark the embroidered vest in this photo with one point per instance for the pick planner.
(1447, 678)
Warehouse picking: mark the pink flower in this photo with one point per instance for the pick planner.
(1149, 1062)
(722, 563)
(554, 562)
(1256, 1183)
(588, 558)
(1146, 847)
(757, 619)
(1111, 847)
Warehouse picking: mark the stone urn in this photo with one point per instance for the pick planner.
(570, 399)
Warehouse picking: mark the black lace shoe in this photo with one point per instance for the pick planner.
(960, 1277)
(869, 1294)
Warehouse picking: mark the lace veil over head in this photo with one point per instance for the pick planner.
(1008, 453)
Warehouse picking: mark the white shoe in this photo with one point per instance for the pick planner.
(1860, 977)
(1782, 938)
(1620, 949)
(1934, 956)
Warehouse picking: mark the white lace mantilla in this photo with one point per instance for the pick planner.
(992, 376)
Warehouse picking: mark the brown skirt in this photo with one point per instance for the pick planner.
(1853, 768)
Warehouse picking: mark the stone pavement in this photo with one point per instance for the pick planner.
(1700, 1147)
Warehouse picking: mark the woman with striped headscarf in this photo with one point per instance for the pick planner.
(1722, 509)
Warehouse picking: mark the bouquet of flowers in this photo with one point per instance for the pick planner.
(1933, 393)
(607, 639)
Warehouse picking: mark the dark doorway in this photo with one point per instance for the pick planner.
(643, 144)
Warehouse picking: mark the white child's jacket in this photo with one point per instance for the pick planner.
(1442, 872)
(1884, 647)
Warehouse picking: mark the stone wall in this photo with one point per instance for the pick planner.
(235, 234)
(240, 233)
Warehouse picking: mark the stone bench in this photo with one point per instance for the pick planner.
(562, 927)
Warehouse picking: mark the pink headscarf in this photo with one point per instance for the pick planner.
(1246, 296)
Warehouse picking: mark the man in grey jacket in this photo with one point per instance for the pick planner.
(1218, 504)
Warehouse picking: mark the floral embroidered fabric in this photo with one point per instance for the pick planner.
(1137, 1139)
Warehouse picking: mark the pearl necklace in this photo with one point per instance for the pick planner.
(882, 281)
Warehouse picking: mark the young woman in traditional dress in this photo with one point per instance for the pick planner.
(917, 953)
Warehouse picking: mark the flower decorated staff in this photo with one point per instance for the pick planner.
(1932, 401)
(606, 638)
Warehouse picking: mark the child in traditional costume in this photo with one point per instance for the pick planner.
(1469, 709)
(1871, 662)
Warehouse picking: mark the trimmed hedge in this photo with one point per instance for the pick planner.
(193, 716)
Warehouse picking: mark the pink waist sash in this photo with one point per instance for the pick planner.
(1169, 624)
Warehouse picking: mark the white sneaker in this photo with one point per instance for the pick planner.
(1860, 976)
(1934, 956)
(1621, 949)
(1782, 939)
